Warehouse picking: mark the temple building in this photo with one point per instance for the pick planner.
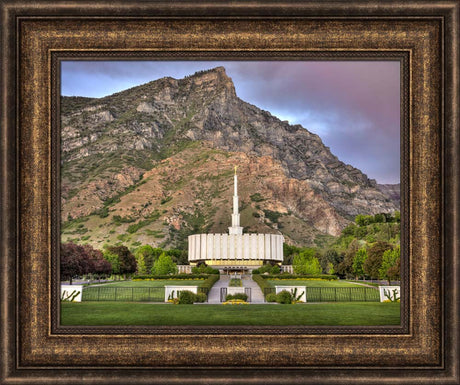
(235, 251)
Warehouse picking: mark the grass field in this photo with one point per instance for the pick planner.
(152, 291)
(329, 314)
(331, 291)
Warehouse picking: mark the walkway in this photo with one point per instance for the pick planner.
(256, 294)
(214, 293)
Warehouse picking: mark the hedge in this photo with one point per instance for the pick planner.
(176, 276)
(261, 282)
(209, 282)
(295, 276)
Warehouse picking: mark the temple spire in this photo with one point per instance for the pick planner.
(236, 228)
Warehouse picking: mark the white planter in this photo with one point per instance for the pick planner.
(175, 290)
(235, 290)
(300, 290)
(68, 292)
(389, 290)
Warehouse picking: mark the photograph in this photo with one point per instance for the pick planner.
(229, 192)
(226, 193)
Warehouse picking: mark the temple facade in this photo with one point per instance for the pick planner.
(235, 251)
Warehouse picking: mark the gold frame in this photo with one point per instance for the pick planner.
(423, 36)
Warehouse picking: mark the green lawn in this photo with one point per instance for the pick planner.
(329, 314)
(331, 291)
(151, 291)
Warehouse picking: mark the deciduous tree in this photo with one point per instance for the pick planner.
(390, 259)
(164, 265)
(374, 260)
(358, 263)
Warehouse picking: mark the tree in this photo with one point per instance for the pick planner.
(390, 259)
(288, 252)
(141, 267)
(72, 261)
(122, 258)
(97, 264)
(364, 220)
(179, 257)
(81, 260)
(345, 268)
(306, 263)
(113, 259)
(145, 256)
(374, 260)
(164, 265)
(379, 218)
(358, 263)
(349, 230)
(393, 272)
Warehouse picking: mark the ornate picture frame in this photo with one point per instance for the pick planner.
(422, 35)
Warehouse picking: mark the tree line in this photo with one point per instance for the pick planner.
(367, 248)
(84, 260)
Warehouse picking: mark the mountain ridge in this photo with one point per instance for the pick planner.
(110, 143)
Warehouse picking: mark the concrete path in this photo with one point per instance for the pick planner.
(256, 294)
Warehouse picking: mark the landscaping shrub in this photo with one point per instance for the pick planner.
(241, 296)
(203, 269)
(263, 284)
(264, 269)
(275, 270)
(209, 282)
(172, 276)
(235, 282)
(256, 271)
(271, 297)
(295, 276)
(186, 297)
(200, 297)
(284, 297)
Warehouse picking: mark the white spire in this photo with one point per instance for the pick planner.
(236, 229)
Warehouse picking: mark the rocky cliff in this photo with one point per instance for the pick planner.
(159, 156)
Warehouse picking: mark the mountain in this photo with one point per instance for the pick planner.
(392, 191)
(153, 164)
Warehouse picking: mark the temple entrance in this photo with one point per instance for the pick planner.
(235, 271)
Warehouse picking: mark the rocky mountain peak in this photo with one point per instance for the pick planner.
(133, 131)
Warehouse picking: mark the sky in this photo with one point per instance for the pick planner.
(354, 106)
